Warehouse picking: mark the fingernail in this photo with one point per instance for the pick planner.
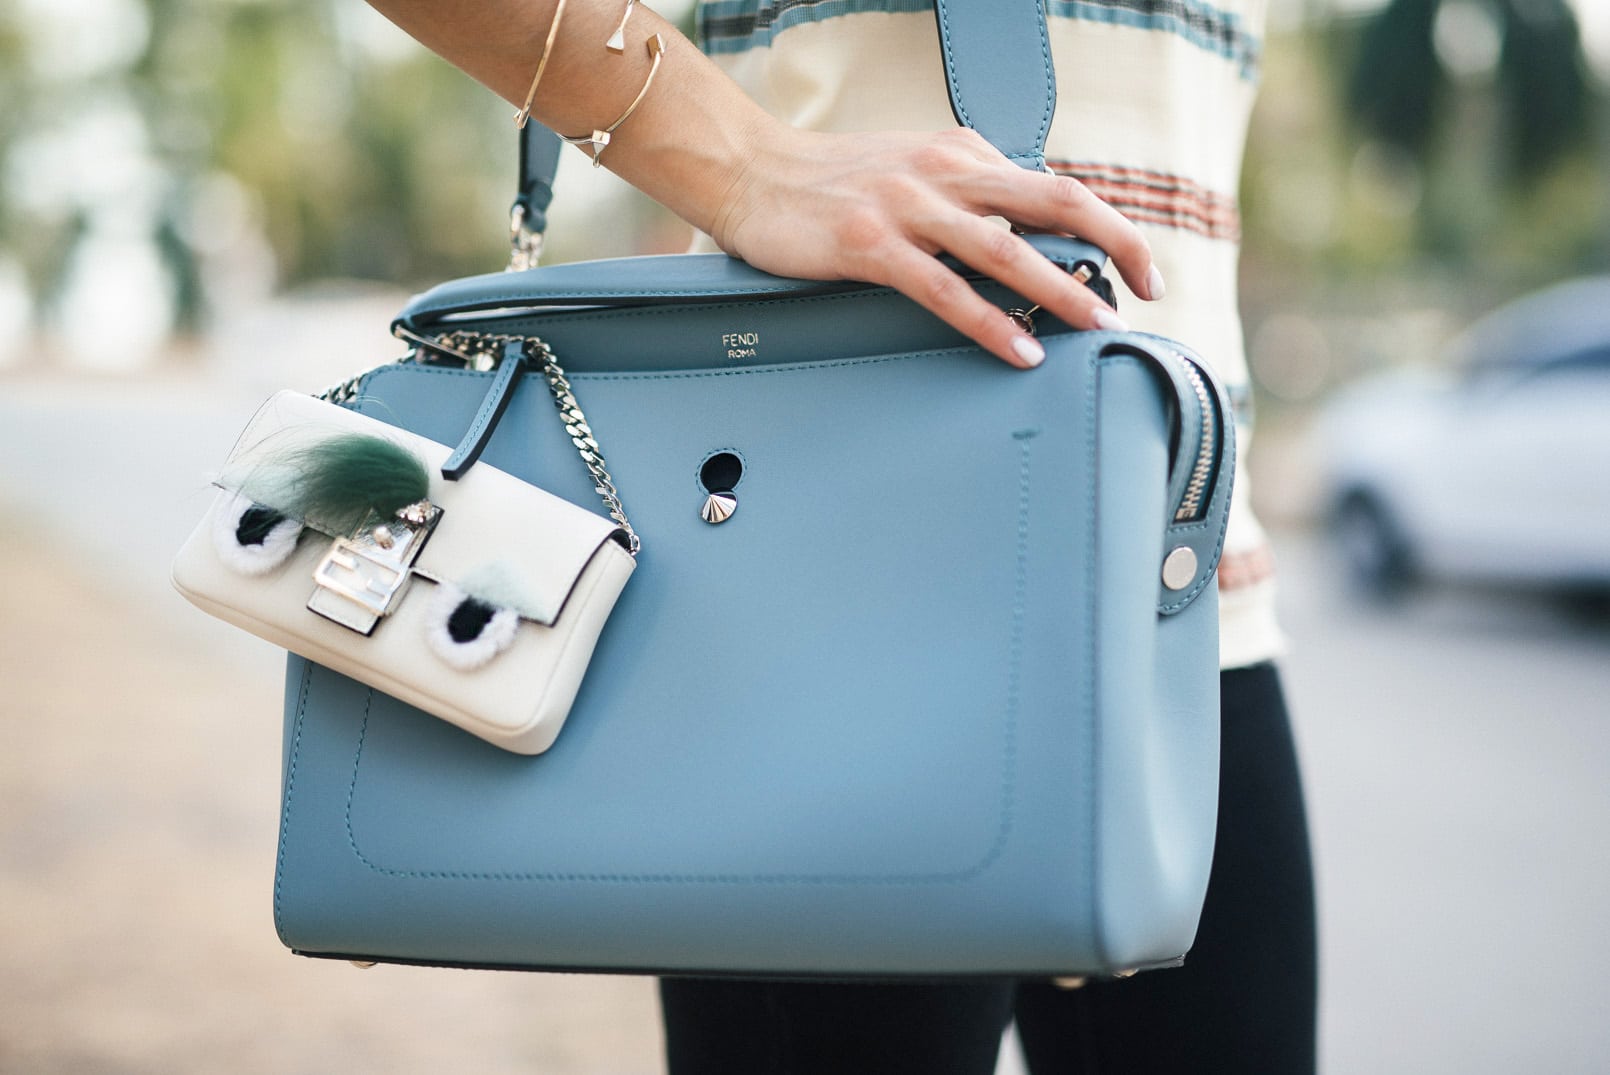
(1106, 319)
(1028, 350)
(1154, 285)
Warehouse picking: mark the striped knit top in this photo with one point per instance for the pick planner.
(1153, 99)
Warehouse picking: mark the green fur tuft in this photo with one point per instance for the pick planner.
(340, 480)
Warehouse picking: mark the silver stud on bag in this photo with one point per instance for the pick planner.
(1179, 568)
(718, 508)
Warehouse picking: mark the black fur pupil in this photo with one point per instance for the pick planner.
(469, 619)
(255, 523)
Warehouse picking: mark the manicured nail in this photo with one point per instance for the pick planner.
(1028, 350)
(1154, 285)
(1106, 319)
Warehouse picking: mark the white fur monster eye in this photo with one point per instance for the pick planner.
(466, 632)
(252, 539)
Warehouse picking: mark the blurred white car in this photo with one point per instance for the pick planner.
(1496, 470)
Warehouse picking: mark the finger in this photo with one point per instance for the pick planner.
(924, 279)
(1061, 203)
(1010, 260)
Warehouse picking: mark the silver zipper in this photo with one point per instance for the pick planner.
(1191, 503)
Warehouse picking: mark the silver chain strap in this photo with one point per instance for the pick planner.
(347, 391)
(482, 350)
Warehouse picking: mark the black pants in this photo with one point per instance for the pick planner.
(1244, 1002)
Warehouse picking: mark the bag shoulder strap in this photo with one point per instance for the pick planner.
(528, 216)
(998, 69)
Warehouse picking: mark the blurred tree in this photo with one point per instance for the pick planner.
(346, 158)
(1396, 79)
(361, 166)
(304, 133)
(1399, 83)
(1410, 167)
(1472, 139)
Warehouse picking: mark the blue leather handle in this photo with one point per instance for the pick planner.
(664, 279)
(997, 66)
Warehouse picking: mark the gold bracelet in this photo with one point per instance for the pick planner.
(524, 114)
(617, 40)
(593, 145)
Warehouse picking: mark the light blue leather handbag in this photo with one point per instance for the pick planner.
(918, 672)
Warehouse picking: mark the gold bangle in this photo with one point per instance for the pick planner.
(617, 40)
(593, 145)
(524, 114)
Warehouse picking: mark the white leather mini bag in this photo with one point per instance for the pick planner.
(479, 602)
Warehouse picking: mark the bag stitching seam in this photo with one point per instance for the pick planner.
(1092, 630)
(290, 793)
(678, 375)
(555, 301)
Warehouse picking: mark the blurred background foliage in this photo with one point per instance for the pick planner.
(1411, 165)
(1465, 134)
(162, 161)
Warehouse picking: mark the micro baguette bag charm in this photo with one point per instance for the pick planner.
(919, 673)
(471, 595)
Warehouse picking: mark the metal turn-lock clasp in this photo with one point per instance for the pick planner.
(360, 579)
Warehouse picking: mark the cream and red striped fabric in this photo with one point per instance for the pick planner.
(1147, 196)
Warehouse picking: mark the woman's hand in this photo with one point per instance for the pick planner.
(878, 206)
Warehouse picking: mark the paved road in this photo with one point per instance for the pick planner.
(1456, 753)
(1458, 761)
